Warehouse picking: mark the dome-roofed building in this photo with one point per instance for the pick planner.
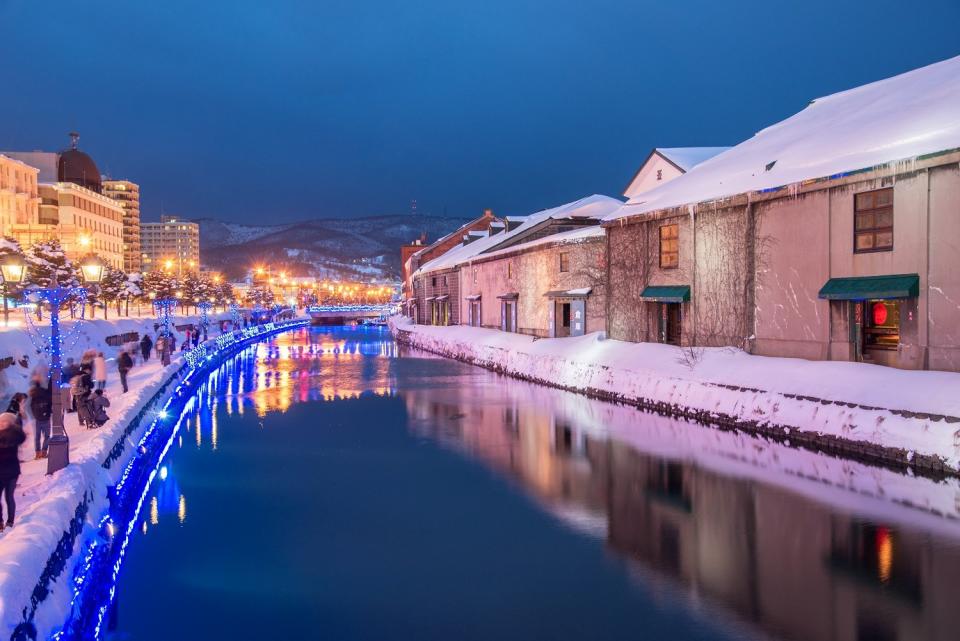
(72, 206)
(74, 166)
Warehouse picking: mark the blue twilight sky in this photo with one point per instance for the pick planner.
(273, 111)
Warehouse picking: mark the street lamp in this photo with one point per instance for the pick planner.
(91, 269)
(164, 306)
(12, 270)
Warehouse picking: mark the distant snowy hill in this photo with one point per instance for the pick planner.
(326, 247)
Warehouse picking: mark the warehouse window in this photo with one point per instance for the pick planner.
(669, 246)
(873, 221)
(564, 262)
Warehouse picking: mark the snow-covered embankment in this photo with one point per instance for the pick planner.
(57, 514)
(880, 414)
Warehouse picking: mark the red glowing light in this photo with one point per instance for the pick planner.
(879, 313)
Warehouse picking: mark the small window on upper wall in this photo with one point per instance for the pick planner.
(509, 271)
(669, 246)
(564, 262)
(873, 221)
(659, 174)
(433, 281)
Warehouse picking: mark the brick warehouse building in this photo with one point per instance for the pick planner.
(831, 235)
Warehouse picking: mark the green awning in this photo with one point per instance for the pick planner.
(864, 287)
(666, 293)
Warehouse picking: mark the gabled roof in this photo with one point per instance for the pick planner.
(682, 158)
(591, 207)
(686, 158)
(456, 233)
(892, 120)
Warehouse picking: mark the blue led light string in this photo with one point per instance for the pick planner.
(95, 573)
(69, 338)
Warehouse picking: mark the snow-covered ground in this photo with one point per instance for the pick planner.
(875, 411)
(47, 504)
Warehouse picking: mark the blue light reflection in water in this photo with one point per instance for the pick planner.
(328, 484)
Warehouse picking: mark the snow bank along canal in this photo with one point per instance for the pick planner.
(328, 483)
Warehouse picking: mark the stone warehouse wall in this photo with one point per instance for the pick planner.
(531, 273)
(810, 239)
(713, 262)
(756, 268)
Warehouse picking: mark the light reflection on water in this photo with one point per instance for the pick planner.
(750, 537)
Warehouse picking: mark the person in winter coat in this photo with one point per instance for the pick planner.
(80, 387)
(86, 361)
(100, 370)
(98, 405)
(124, 365)
(17, 407)
(164, 346)
(41, 406)
(69, 370)
(145, 346)
(11, 437)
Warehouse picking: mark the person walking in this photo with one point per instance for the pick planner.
(11, 437)
(145, 346)
(41, 406)
(100, 370)
(86, 360)
(124, 365)
(80, 386)
(163, 344)
(69, 370)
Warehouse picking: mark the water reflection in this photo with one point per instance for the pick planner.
(790, 543)
(794, 567)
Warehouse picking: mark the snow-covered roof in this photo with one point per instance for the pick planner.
(896, 119)
(580, 235)
(595, 207)
(686, 158)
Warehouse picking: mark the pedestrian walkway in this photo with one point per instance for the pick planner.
(84, 443)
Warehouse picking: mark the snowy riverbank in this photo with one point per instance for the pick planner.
(909, 418)
(60, 511)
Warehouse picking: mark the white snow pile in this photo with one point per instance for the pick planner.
(595, 206)
(892, 120)
(852, 401)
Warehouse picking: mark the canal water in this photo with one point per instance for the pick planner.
(330, 484)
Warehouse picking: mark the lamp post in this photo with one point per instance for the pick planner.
(164, 306)
(205, 307)
(235, 316)
(12, 270)
(56, 295)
